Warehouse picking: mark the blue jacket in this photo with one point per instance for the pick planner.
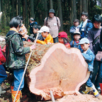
(73, 28)
(88, 26)
(89, 57)
(76, 45)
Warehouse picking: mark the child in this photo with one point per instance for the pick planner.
(63, 38)
(46, 35)
(32, 37)
(75, 27)
(3, 74)
(22, 30)
(75, 41)
(89, 57)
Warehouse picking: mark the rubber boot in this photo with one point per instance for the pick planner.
(12, 87)
(1, 91)
(95, 92)
(88, 89)
(18, 96)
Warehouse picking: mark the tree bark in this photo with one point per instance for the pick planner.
(32, 8)
(56, 68)
(46, 8)
(73, 11)
(19, 7)
(51, 4)
(84, 5)
(0, 11)
(60, 13)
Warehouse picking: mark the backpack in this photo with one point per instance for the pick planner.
(47, 21)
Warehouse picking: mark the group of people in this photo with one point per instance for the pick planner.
(85, 36)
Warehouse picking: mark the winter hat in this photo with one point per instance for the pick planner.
(51, 11)
(62, 34)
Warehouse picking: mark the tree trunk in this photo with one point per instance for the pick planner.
(26, 14)
(101, 6)
(46, 8)
(60, 13)
(0, 11)
(32, 8)
(13, 9)
(56, 68)
(73, 11)
(84, 5)
(81, 6)
(51, 4)
(19, 7)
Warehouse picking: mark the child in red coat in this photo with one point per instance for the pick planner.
(3, 74)
(63, 38)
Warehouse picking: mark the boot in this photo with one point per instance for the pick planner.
(95, 92)
(18, 96)
(88, 89)
(1, 91)
(12, 87)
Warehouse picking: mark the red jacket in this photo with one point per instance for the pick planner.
(2, 58)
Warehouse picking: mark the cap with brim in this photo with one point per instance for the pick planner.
(97, 18)
(76, 20)
(44, 29)
(76, 32)
(84, 41)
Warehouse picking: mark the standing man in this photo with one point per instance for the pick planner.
(85, 25)
(53, 23)
(94, 38)
(32, 22)
(15, 56)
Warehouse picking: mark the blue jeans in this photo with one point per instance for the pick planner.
(3, 74)
(55, 39)
(97, 73)
(89, 83)
(18, 73)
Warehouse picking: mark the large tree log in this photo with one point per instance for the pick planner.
(56, 68)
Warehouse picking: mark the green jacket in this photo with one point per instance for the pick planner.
(15, 52)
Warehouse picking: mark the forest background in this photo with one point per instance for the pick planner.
(66, 10)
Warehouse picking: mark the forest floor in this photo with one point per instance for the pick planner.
(28, 97)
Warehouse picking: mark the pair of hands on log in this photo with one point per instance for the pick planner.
(32, 47)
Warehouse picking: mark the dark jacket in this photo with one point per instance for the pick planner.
(94, 44)
(15, 52)
(31, 27)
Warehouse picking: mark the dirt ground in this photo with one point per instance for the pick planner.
(28, 97)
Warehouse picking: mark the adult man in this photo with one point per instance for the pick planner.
(32, 22)
(53, 23)
(15, 56)
(94, 38)
(85, 25)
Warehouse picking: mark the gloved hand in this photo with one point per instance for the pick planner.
(32, 47)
